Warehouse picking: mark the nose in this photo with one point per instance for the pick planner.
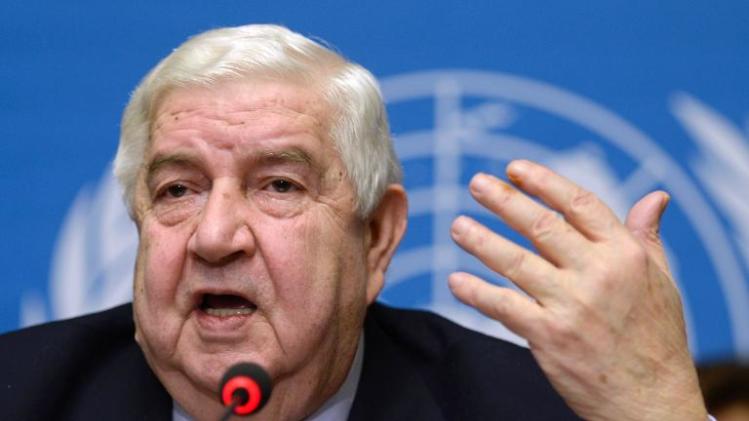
(223, 232)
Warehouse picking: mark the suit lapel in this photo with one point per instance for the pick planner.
(390, 387)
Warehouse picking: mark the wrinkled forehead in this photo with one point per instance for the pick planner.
(239, 100)
(254, 120)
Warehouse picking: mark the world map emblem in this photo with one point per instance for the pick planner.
(450, 124)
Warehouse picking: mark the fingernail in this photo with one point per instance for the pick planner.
(479, 183)
(460, 225)
(517, 169)
(455, 280)
(665, 200)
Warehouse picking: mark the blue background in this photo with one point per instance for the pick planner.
(67, 69)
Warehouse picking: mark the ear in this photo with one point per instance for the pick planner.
(385, 229)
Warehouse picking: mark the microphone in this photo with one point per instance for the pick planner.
(244, 389)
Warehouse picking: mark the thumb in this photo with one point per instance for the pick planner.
(644, 220)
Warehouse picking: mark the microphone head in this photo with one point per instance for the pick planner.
(247, 386)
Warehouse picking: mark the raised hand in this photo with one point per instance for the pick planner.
(602, 314)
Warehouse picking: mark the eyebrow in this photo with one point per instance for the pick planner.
(293, 155)
(180, 160)
(286, 155)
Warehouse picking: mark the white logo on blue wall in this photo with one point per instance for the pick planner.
(92, 266)
(722, 164)
(449, 124)
(464, 116)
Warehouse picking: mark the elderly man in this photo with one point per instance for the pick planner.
(259, 170)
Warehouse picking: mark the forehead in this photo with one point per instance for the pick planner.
(235, 110)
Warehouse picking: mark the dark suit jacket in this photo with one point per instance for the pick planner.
(417, 366)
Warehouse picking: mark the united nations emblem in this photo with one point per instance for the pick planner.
(451, 124)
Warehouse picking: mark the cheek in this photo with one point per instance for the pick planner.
(316, 268)
(160, 262)
(293, 262)
(158, 316)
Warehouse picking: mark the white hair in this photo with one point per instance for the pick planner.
(359, 129)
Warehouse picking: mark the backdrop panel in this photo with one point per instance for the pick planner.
(622, 97)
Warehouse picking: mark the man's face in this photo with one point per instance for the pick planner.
(250, 247)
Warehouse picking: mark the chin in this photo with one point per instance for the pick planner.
(206, 368)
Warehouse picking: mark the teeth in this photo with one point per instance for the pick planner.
(228, 312)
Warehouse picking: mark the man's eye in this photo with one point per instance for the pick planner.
(282, 186)
(176, 190)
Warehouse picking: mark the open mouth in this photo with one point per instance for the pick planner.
(226, 305)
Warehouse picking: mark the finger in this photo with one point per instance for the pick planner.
(644, 220)
(554, 238)
(517, 312)
(530, 272)
(581, 208)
